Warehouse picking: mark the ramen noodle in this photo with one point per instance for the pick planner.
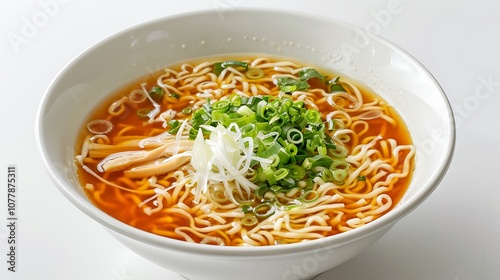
(245, 152)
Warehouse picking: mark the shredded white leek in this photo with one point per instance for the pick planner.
(230, 154)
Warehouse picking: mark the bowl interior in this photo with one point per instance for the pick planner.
(329, 44)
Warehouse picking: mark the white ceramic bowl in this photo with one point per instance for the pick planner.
(330, 44)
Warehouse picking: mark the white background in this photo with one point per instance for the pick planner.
(454, 235)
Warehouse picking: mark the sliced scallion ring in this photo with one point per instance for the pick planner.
(309, 196)
(249, 220)
(254, 73)
(143, 112)
(187, 110)
(339, 175)
(100, 126)
(335, 85)
(263, 210)
(235, 99)
(221, 105)
(137, 96)
(218, 196)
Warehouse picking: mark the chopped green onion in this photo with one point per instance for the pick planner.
(338, 152)
(174, 95)
(249, 220)
(249, 130)
(318, 160)
(299, 104)
(335, 85)
(313, 117)
(339, 175)
(280, 173)
(285, 106)
(291, 149)
(239, 120)
(254, 73)
(276, 129)
(339, 164)
(288, 85)
(329, 143)
(267, 111)
(235, 99)
(276, 189)
(246, 208)
(263, 210)
(327, 175)
(296, 172)
(275, 160)
(276, 120)
(284, 155)
(288, 183)
(174, 126)
(156, 93)
(221, 105)
(361, 178)
(268, 174)
(218, 68)
(143, 112)
(245, 111)
(309, 196)
(264, 127)
(238, 65)
(263, 188)
(291, 138)
(251, 175)
(293, 135)
(187, 110)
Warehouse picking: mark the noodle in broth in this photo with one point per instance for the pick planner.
(153, 160)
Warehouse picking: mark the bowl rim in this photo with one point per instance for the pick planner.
(381, 223)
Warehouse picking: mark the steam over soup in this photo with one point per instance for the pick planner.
(253, 151)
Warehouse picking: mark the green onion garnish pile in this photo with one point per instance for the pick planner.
(291, 137)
